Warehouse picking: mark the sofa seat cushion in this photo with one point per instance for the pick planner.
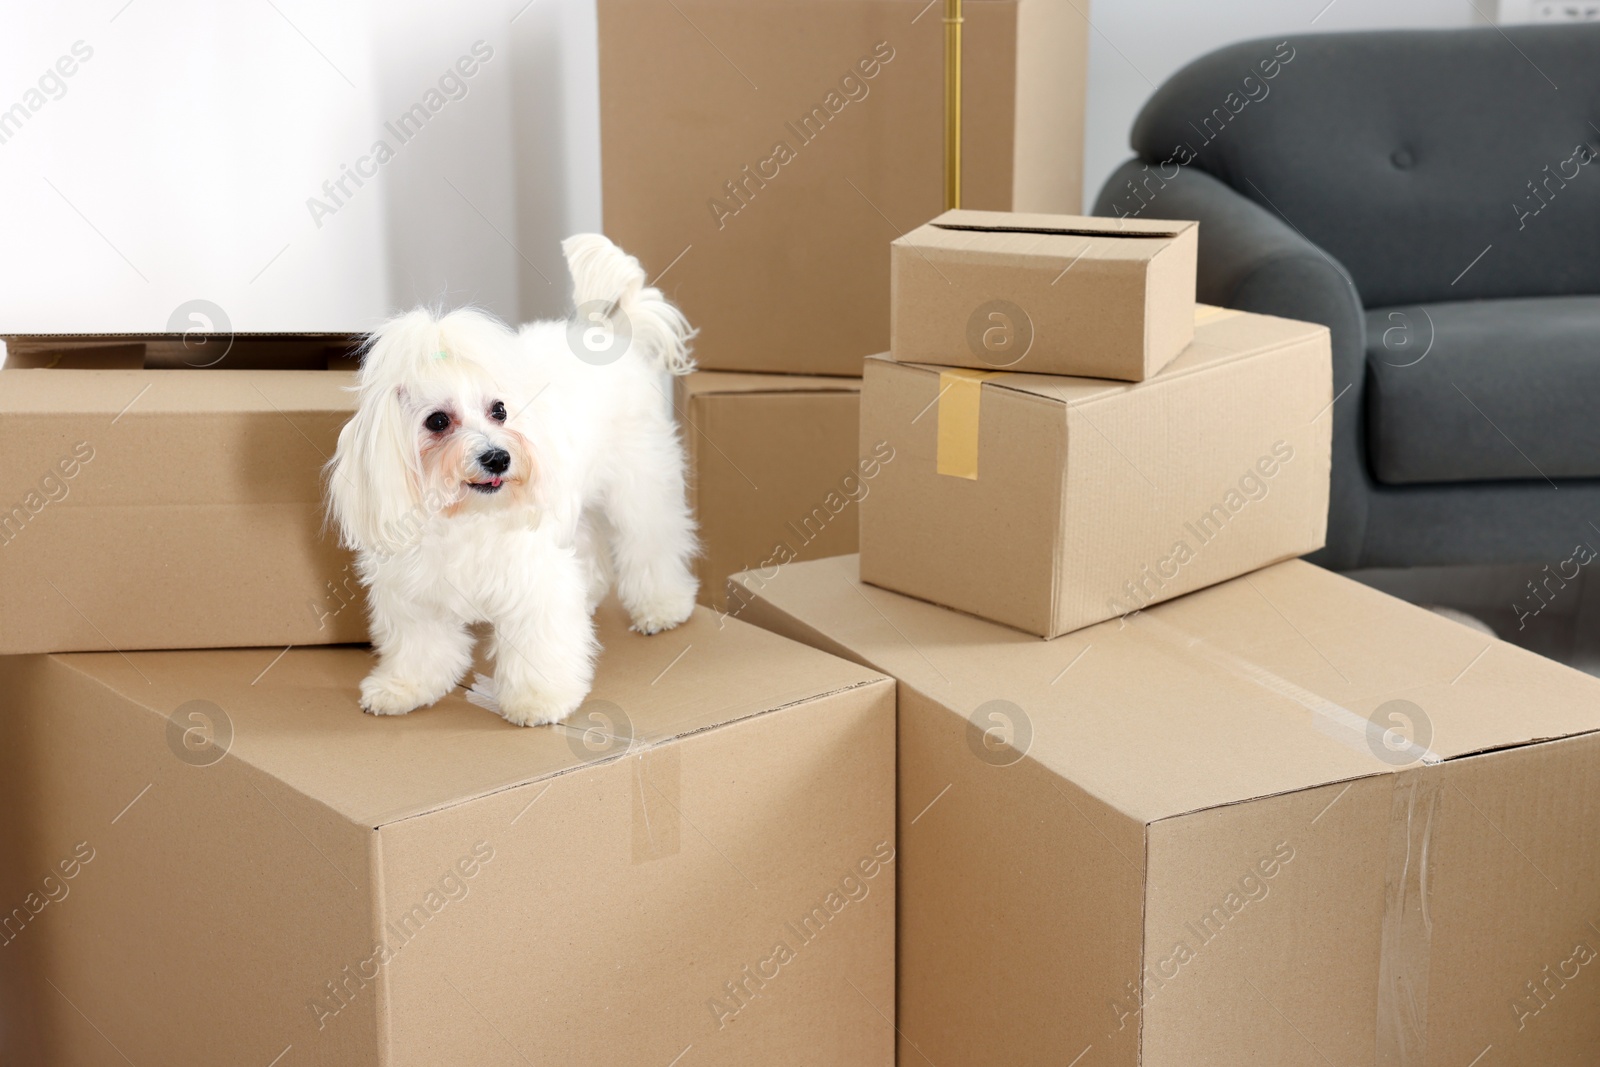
(1484, 390)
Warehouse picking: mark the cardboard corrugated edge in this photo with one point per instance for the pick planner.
(1176, 266)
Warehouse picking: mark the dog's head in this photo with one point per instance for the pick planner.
(435, 432)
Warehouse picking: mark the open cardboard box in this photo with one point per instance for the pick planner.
(215, 857)
(1049, 503)
(773, 471)
(760, 156)
(1045, 294)
(165, 491)
(1287, 820)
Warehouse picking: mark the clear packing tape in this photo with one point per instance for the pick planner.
(1407, 945)
(1406, 941)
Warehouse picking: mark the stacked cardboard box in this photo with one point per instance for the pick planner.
(1282, 818)
(759, 158)
(1286, 819)
(211, 855)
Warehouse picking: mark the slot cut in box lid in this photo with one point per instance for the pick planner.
(1044, 294)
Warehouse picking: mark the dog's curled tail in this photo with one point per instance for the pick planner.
(607, 281)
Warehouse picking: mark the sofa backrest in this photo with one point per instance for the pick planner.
(1435, 165)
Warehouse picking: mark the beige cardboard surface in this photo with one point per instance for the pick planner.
(537, 894)
(1186, 837)
(762, 155)
(1044, 294)
(171, 509)
(774, 474)
(1050, 503)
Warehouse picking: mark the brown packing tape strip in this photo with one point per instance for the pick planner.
(960, 401)
(1406, 947)
(657, 787)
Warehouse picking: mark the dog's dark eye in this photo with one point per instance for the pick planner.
(497, 411)
(438, 422)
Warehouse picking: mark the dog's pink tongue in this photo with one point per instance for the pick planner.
(495, 482)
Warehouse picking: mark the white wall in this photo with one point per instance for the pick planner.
(1135, 45)
(178, 160)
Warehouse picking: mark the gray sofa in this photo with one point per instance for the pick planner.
(1434, 199)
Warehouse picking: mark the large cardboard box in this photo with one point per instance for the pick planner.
(1045, 294)
(1285, 820)
(215, 857)
(774, 476)
(150, 503)
(1051, 503)
(760, 155)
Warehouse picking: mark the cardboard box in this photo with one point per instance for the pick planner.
(1285, 820)
(1046, 294)
(1051, 503)
(774, 476)
(215, 857)
(171, 508)
(760, 156)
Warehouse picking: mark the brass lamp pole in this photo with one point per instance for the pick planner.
(952, 104)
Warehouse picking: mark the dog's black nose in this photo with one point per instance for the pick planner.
(494, 460)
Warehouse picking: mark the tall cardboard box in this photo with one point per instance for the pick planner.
(773, 471)
(154, 496)
(1050, 503)
(215, 857)
(761, 154)
(1285, 820)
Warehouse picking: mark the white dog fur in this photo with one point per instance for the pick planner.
(593, 490)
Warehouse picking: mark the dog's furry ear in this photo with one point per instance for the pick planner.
(374, 479)
(374, 486)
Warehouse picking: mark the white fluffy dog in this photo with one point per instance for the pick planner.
(500, 477)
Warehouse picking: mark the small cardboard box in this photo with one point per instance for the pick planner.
(774, 476)
(1046, 294)
(1051, 503)
(1285, 820)
(215, 857)
(761, 156)
(148, 503)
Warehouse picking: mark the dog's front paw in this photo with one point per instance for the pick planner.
(662, 612)
(537, 708)
(387, 695)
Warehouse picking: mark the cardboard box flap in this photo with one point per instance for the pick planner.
(295, 717)
(132, 394)
(998, 236)
(717, 383)
(1309, 673)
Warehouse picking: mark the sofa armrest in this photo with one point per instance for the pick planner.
(1253, 260)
